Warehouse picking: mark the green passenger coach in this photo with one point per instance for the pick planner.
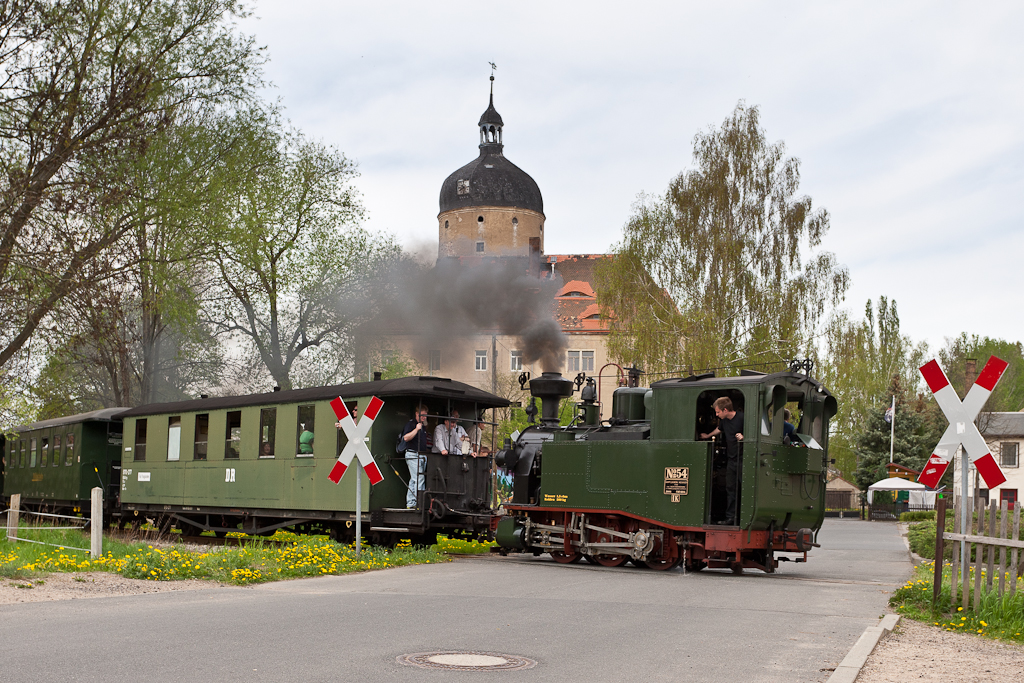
(261, 462)
(54, 464)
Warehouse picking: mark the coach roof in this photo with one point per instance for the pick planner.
(104, 415)
(425, 387)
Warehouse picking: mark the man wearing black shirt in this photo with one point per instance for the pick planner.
(730, 423)
(416, 449)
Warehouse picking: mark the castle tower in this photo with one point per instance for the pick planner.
(490, 207)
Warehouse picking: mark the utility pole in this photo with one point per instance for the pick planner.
(494, 364)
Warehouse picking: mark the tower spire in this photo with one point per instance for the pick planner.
(490, 123)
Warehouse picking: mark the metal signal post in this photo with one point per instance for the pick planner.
(356, 447)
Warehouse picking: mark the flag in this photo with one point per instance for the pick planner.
(890, 412)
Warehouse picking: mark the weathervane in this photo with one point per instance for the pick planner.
(494, 68)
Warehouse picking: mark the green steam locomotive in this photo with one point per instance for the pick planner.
(646, 487)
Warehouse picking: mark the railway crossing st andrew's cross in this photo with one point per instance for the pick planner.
(356, 447)
(962, 429)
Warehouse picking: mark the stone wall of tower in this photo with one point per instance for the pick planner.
(503, 231)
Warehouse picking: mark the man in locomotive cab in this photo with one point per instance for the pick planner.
(730, 424)
(415, 435)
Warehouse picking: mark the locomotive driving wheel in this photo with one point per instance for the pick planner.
(566, 558)
(597, 536)
(665, 555)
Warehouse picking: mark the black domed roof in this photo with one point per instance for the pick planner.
(490, 180)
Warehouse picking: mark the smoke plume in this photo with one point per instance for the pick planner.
(455, 299)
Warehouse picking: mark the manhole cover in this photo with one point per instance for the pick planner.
(466, 661)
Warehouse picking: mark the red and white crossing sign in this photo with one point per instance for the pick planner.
(356, 447)
(962, 429)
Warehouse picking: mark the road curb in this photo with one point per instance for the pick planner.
(850, 667)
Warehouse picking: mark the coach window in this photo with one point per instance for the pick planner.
(21, 454)
(69, 450)
(342, 437)
(304, 431)
(174, 437)
(140, 439)
(233, 436)
(44, 452)
(202, 437)
(56, 450)
(31, 452)
(268, 429)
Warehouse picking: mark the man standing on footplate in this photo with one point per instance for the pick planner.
(730, 423)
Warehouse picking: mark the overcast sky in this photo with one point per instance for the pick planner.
(907, 118)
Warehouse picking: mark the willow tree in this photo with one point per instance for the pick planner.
(725, 269)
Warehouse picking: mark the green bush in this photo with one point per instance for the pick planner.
(918, 516)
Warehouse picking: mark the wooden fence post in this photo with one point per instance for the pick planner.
(979, 553)
(1015, 533)
(1003, 514)
(954, 575)
(940, 528)
(96, 546)
(12, 517)
(990, 569)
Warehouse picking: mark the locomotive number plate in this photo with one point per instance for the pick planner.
(677, 481)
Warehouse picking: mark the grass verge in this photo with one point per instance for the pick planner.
(999, 618)
(255, 561)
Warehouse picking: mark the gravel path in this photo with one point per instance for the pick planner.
(88, 585)
(919, 652)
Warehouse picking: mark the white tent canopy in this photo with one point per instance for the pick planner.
(920, 496)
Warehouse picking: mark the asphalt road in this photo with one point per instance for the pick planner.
(579, 622)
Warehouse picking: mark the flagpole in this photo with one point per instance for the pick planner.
(892, 429)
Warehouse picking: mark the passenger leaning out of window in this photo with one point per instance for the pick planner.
(446, 441)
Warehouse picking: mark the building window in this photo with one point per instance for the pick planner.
(1008, 496)
(69, 450)
(304, 431)
(481, 360)
(140, 439)
(174, 438)
(1008, 454)
(446, 225)
(201, 442)
(515, 223)
(268, 430)
(44, 452)
(435, 361)
(233, 436)
(580, 361)
(56, 450)
(479, 247)
(515, 361)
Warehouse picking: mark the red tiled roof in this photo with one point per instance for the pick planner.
(577, 288)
